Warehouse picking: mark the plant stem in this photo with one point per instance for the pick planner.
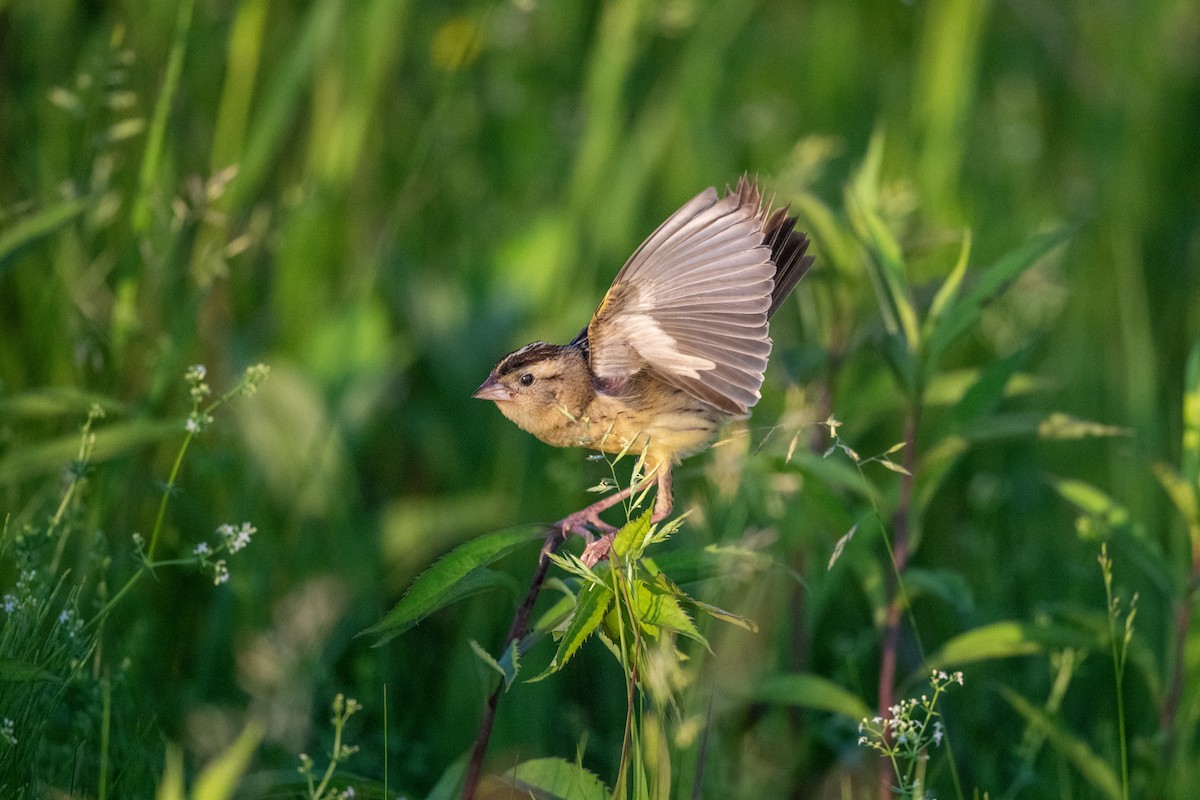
(515, 632)
(895, 583)
(1183, 623)
(162, 506)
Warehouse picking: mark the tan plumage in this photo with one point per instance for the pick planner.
(678, 344)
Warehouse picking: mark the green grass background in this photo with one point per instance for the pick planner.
(421, 188)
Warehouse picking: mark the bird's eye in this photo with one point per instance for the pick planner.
(527, 379)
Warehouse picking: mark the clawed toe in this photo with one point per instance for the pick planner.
(597, 550)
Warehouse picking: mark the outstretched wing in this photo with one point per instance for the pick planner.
(692, 302)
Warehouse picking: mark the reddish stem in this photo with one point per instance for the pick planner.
(515, 632)
(895, 606)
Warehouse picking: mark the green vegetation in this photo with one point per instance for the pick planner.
(989, 383)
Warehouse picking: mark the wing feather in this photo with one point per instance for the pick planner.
(691, 304)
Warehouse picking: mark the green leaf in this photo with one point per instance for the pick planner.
(592, 604)
(1190, 462)
(657, 607)
(57, 401)
(1005, 640)
(948, 291)
(451, 578)
(1092, 501)
(508, 666)
(632, 536)
(172, 787)
(1065, 426)
(37, 226)
(1094, 769)
(13, 670)
(885, 264)
(991, 281)
(449, 785)
(944, 584)
(219, 779)
(111, 441)
(810, 691)
(554, 779)
(690, 603)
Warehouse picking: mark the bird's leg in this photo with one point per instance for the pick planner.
(581, 521)
(664, 501)
(597, 549)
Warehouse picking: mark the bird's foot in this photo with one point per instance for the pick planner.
(597, 550)
(583, 523)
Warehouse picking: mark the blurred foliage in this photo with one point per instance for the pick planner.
(380, 198)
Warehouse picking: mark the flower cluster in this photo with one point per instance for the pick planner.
(906, 734)
(24, 594)
(230, 539)
(8, 732)
(201, 417)
(343, 708)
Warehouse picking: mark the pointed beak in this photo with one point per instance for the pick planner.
(492, 389)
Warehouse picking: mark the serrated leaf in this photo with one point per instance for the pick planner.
(691, 603)
(658, 607)
(553, 779)
(591, 605)
(1094, 769)
(810, 691)
(14, 670)
(451, 578)
(508, 666)
(631, 536)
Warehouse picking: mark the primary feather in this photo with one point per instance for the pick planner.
(691, 305)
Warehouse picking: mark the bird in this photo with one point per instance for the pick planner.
(677, 346)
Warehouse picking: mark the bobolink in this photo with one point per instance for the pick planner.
(678, 345)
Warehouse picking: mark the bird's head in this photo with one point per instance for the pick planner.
(540, 387)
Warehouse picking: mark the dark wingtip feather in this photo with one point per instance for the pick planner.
(788, 247)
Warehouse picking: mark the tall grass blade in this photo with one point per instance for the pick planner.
(152, 156)
(810, 691)
(1094, 769)
(36, 226)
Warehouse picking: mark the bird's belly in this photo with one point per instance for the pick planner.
(672, 431)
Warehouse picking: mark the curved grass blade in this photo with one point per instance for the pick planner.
(219, 780)
(1005, 640)
(959, 315)
(1093, 768)
(456, 575)
(810, 691)
(37, 226)
(14, 670)
(111, 441)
